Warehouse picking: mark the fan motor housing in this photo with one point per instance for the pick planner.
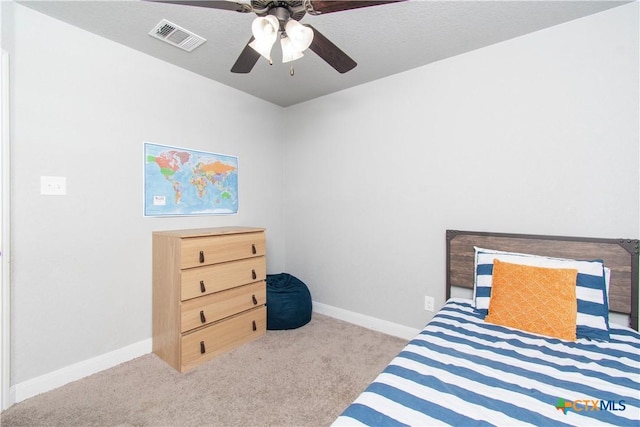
(296, 8)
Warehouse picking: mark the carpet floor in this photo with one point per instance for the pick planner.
(300, 377)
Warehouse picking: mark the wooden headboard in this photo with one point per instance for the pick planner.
(620, 255)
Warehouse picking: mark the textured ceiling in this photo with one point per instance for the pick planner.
(383, 40)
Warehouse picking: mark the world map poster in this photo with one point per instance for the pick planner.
(179, 181)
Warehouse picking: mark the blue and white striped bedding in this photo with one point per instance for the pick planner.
(462, 371)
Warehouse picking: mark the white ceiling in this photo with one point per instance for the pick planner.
(383, 40)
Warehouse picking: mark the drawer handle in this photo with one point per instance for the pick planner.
(253, 249)
(255, 328)
(202, 349)
(202, 288)
(254, 276)
(255, 301)
(202, 318)
(201, 257)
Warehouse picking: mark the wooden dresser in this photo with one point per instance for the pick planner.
(209, 292)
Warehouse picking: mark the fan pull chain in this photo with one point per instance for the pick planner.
(291, 71)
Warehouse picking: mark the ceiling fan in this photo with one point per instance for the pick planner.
(279, 19)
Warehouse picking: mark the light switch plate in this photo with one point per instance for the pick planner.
(53, 185)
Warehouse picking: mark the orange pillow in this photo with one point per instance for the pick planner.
(534, 299)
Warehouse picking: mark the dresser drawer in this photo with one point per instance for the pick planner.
(201, 281)
(208, 309)
(206, 343)
(198, 251)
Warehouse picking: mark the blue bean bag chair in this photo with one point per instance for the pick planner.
(288, 302)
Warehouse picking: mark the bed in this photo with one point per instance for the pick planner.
(468, 367)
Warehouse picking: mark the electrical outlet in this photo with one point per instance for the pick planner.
(429, 303)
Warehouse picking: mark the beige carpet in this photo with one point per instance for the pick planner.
(301, 377)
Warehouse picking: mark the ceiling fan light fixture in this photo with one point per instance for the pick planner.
(265, 27)
(263, 48)
(300, 36)
(289, 52)
(265, 31)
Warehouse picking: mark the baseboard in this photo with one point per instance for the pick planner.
(55, 379)
(365, 321)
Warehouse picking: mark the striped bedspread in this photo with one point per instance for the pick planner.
(462, 371)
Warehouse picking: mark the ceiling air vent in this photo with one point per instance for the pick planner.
(177, 36)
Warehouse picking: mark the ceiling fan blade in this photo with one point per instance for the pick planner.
(212, 4)
(331, 53)
(247, 59)
(328, 6)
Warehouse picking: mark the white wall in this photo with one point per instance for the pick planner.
(538, 134)
(83, 106)
(535, 135)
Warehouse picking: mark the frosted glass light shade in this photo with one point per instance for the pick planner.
(300, 36)
(289, 53)
(265, 27)
(265, 31)
(263, 48)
